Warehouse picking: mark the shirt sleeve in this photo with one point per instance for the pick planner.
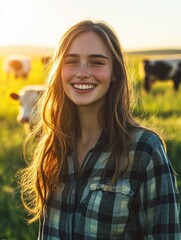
(159, 199)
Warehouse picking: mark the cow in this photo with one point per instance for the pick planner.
(45, 60)
(18, 65)
(166, 69)
(27, 98)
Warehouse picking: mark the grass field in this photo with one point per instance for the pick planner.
(161, 109)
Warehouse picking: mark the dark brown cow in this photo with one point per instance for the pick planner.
(45, 60)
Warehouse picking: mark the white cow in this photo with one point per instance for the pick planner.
(27, 97)
(18, 65)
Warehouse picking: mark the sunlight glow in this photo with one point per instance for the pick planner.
(139, 24)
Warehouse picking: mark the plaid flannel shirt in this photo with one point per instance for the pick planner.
(89, 208)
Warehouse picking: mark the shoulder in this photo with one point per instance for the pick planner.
(140, 138)
(147, 149)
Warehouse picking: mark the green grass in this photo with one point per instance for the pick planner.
(13, 224)
(159, 110)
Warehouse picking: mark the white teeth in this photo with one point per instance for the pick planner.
(84, 86)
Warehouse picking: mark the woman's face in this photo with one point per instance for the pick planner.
(87, 70)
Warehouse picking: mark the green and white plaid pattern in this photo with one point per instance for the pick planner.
(89, 208)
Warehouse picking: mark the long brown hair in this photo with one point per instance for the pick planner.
(54, 137)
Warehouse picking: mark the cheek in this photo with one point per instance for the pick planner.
(103, 75)
(66, 74)
(64, 79)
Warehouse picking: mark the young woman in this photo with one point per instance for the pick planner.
(95, 172)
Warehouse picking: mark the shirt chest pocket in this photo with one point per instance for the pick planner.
(107, 207)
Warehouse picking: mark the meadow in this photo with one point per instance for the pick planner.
(160, 109)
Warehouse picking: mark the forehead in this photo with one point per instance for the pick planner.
(88, 43)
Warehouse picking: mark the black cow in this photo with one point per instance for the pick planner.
(167, 69)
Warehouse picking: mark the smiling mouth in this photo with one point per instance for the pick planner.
(84, 86)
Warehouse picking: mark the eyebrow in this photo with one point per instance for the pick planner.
(90, 56)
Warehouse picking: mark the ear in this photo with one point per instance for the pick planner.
(113, 79)
(14, 96)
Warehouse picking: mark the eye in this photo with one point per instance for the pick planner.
(96, 63)
(70, 62)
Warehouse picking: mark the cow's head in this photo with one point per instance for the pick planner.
(27, 99)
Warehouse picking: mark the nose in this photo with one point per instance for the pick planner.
(83, 71)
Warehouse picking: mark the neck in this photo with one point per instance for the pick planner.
(90, 131)
(89, 125)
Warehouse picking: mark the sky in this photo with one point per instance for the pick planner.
(140, 24)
